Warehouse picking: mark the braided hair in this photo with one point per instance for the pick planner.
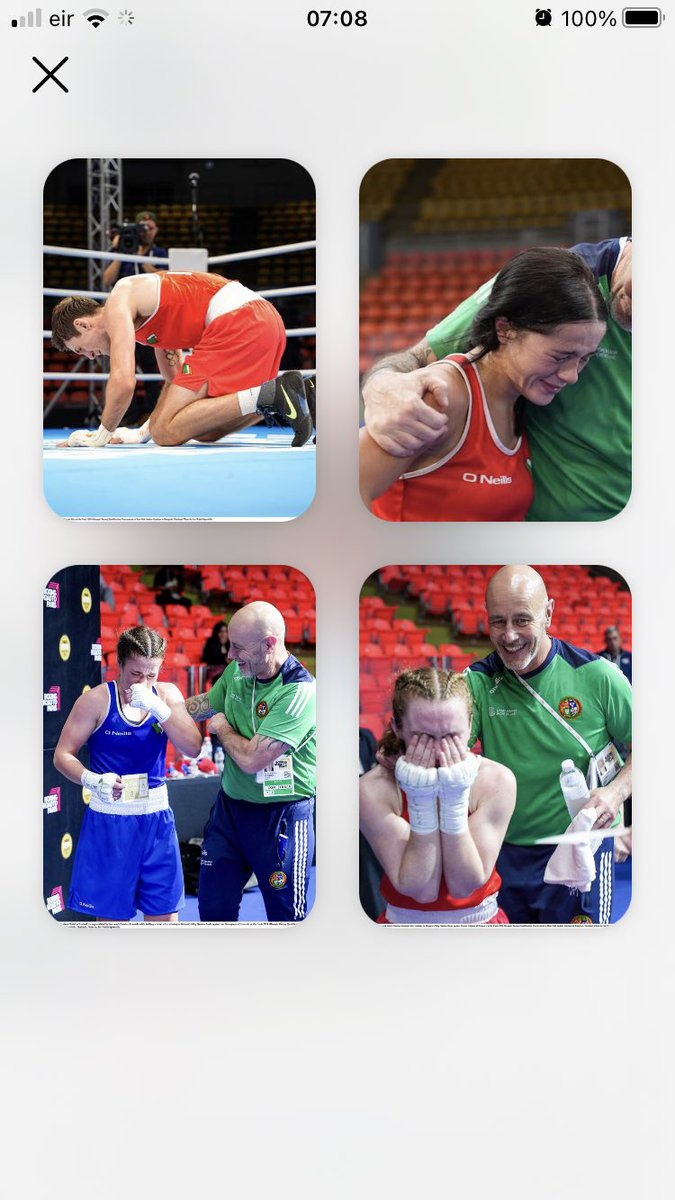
(141, 640)
(426, 683)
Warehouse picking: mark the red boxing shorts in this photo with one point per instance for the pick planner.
(240, 349)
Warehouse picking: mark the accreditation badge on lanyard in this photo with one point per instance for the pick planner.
(607, 764)
(277, 778)
(603, 765)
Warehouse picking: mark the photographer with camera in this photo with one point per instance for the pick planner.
(136, 238)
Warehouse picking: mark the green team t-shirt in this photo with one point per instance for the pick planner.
(282, 708)
(590, 693)
(581, 443)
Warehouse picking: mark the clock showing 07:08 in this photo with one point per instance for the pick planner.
(326, 16)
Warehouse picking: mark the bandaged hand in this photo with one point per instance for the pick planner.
(420, 785)
(103, 786)
(90, 437)
(144, 697)
(454, 789)
(131, 437)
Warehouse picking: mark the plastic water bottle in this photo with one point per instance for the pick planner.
(207, 748)
(219, 759)
(574, 787)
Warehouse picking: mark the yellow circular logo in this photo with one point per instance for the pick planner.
(86, 688)
(64, 647)
(86, 795)
(86, 600)
(66, 846)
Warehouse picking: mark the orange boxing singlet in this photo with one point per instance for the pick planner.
(479, 480)
(179, 320)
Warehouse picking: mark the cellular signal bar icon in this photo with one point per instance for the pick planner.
(32, 20)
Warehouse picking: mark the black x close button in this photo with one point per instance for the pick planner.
(50, 73)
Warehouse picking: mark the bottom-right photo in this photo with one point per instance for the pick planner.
(495, 728)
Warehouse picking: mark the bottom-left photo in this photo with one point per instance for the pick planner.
(179, 744)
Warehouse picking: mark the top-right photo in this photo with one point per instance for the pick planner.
(495, 340)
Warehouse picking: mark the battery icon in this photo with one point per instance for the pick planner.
(642, 18)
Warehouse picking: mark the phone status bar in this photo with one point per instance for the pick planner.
(37, 18)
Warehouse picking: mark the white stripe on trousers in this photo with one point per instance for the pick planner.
(605, 887)
(300, 868)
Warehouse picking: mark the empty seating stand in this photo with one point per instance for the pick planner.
(453, 597)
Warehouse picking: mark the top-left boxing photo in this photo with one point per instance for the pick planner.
(179, 339)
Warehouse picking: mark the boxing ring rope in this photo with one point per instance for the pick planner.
(213, 260)
(308, 290)
(96, 377)
(308, 332)
(240, 256)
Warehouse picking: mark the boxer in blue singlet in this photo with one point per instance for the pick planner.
(127, 856)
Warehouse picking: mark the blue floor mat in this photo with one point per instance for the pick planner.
(253, 475)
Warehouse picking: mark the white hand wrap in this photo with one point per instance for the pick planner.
(420, 785)
(144, 697)
(90, 437)
(99, 785)
(454, 784)
(133, 437)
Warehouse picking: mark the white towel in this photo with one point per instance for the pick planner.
(572, 864)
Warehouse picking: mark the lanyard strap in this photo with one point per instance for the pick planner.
(573, 733)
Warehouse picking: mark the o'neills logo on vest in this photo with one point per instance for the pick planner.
(471, 477)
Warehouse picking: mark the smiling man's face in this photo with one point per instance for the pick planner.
(519, 616)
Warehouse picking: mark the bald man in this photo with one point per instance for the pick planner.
(538, 701)
(263, 711)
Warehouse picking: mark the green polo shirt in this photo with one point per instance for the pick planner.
(282, 708)
(591, 695)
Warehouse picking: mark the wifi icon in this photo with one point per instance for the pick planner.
(95, 16)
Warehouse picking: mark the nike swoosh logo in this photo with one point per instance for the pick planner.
(291, 408)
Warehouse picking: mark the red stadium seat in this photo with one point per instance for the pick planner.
(427, 651)
(176, 659)
(434, 602)
(370, 699)
(152, 614)
(176, 613)
(192, 647)
(294, 629)
(375, 722)
(372, 650)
